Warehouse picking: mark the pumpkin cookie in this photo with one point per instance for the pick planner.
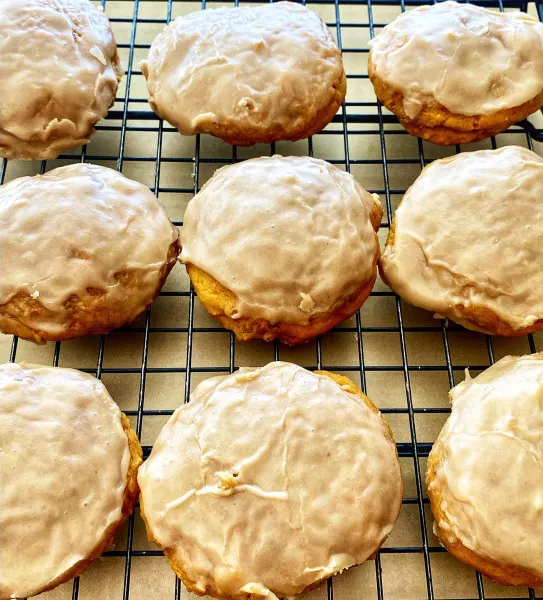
(68, 464)
(269, 481)
(485, 472)
(84, 250)
(59, 72)
(282, 247)
(457, 73)
(247, 75)
(466, 241)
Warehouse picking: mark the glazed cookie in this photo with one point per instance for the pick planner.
(269, 481)
(282, 247)
(69, 475)
(457, 73)
(467, 241)
(247, 75)
(485, 472)
(59, 72)
(84, 250)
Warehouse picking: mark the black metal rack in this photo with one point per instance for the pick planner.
(356, 118)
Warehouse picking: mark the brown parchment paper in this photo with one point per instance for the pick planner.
(403, 561)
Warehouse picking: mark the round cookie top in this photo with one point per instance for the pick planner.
(77, 228)
(471, 60)
(59, 72)
(291, 237)
(467, 239)
(64, 460)
(496, 428)
(271, 67)
(269, 480)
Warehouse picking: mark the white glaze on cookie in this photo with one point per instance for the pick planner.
(469, 233)
(291, 237)
(59, 72)
(269, 480)
(491, 476)
(64, 459)
(268, 66)
(77, 227)
(469, 59)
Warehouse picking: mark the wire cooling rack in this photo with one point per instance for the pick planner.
(404, 359)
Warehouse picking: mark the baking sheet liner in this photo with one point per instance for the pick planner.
(400, 570)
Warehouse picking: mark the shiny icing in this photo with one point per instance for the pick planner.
(64, 460)
(271, 65)
(491, 476)
(77, 227)
(469, 59)
(469, 233)
(269, 480)
(59, 71)
(290, 237)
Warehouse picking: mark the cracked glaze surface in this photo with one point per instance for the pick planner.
(469, 59)
(269, 480)
(267, 66)
(109, 223)
(63, 469)
(490, 478)
(291, 237)
(59, 72)
(469, 233)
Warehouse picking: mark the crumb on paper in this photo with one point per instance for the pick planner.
(307, 304)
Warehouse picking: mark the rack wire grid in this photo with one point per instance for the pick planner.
(403, 358)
